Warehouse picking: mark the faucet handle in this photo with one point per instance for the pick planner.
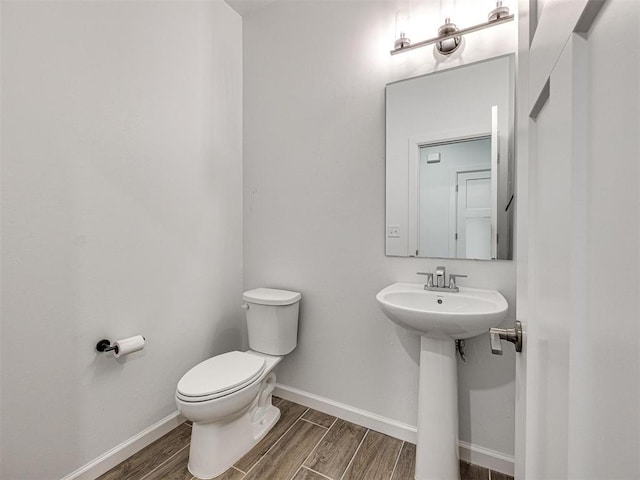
(452, 279)
(429, 278)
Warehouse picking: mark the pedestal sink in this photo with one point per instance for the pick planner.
(440, 318)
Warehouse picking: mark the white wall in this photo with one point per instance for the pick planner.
(121, 209)
(314, 167)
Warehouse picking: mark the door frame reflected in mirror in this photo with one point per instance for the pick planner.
(418, 216)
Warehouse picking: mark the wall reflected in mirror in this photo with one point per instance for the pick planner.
(449, 166)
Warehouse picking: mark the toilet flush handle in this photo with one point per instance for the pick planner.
(245, 306)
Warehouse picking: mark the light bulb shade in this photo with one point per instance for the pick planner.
(403, 26)
(447, 10)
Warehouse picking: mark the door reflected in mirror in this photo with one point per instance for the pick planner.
(454, 206)
(450, 163)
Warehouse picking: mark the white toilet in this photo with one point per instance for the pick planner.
(228, 397)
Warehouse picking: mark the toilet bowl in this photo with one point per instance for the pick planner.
(228, 397)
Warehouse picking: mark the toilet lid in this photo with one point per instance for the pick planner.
(271, 296)
(220, 374)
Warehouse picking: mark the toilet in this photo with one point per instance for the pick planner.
(228, 397)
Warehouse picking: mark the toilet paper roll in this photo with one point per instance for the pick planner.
(129, 345)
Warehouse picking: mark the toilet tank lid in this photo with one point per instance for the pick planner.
(270, 296)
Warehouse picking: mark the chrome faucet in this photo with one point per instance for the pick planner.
(439, 285)
(440, 274)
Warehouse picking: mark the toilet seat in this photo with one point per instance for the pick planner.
(220, 376)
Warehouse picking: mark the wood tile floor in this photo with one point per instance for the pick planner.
(304, 445)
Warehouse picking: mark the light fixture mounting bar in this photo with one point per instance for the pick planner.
(458, 33)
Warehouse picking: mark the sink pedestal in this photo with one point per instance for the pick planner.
(444, 317)
(437, 445)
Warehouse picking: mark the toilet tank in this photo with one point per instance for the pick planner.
(272, 320)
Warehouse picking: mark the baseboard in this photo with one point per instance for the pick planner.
(119, 453)
(486, 457)
(385, 425)
(475, 454)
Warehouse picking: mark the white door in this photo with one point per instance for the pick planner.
(473, 215)
(578, 377)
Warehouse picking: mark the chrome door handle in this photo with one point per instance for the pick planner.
(513, 335)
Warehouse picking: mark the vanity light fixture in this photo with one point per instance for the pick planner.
(450, 37)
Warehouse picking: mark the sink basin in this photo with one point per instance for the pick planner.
(467, 313)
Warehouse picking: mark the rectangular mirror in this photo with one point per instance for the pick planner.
(450, 163)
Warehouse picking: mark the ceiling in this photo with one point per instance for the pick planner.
(246, 7)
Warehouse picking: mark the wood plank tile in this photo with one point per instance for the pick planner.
(287, 455)
(499, 476)
(320, 418)
(275, 400)
(469, 471)
(406, 466)
(375, 458)
(173, 469)
(304, 474)
(335, 451)
(138, 465)
(289, 413)
(231, 474)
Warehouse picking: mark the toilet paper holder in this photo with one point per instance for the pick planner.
(121, 347)
(104, 345)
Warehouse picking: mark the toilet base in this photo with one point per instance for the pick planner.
(216, 446)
